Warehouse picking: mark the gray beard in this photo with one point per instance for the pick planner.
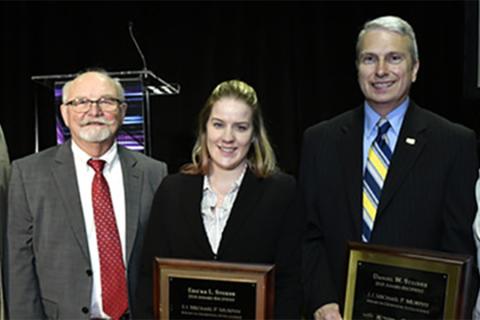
(95, 135)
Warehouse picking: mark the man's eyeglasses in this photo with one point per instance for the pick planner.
(107, 104)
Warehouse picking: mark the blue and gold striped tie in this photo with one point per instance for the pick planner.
(378, 161)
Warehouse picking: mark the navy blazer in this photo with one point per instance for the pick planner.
(427, 201)
(261, 228)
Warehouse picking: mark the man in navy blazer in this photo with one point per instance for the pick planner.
(53, 260)
(427, 200)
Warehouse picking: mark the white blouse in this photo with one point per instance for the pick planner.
(215, 218)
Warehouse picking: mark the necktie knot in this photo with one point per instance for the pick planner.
(383, 126)
(97, 165)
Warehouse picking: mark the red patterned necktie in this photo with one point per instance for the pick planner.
(112, 268)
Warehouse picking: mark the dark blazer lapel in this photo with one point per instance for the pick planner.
(192, 194)
(244, 206)
(405, 154)
(351, 149)
(132, 181)
(65, 177)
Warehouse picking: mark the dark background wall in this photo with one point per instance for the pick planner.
(298, 55)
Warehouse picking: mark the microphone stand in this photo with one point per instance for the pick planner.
(146, 94)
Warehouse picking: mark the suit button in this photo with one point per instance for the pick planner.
(215, 257)
(89, 272)
(85, 310)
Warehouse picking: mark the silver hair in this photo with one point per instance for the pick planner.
(392, 24)
(115, 81)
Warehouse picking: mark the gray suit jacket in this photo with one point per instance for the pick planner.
(4, 175)
(47, 266)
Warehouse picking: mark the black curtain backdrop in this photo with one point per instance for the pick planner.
(298, 55)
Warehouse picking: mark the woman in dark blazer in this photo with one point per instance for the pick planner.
(231, 203)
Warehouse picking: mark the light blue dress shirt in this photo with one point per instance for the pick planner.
(395, 117)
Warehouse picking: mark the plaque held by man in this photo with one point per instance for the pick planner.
(398, 283)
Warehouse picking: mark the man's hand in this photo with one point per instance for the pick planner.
(330, 311)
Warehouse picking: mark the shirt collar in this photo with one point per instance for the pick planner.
(395, 117)
(109, 157)
(235, 186)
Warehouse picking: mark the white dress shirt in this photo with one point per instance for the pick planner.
(113, 174)
(476, 236)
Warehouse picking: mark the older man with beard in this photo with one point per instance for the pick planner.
(78, 212)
